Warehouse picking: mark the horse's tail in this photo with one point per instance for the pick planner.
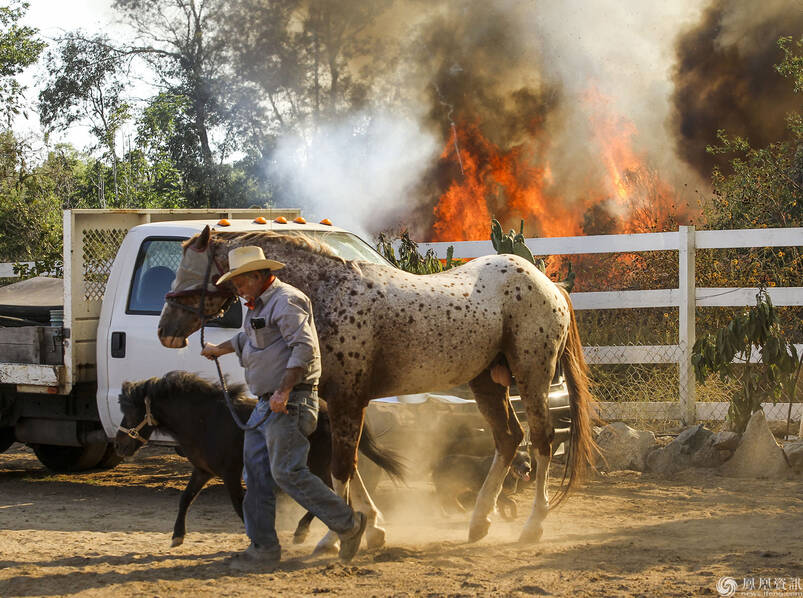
(389, 460)
(582, 447)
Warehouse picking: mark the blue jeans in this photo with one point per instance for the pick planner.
(275, 455)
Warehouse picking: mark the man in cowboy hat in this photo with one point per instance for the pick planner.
(278, 348)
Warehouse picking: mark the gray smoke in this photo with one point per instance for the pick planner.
(522, 73)
(724, 78)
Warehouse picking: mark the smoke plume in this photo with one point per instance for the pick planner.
(724, 77)
(578, 117)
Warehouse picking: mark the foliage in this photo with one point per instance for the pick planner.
(19, 49)
(753, 330)
(48, 267)
(512, 243)
(312, 60)
(410, 260)
(791, 66)
(763, 187)
(86, 84)
(29, 209)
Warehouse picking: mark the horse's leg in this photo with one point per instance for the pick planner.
(494, 404)
(331, 541)
(346, 424)
(534, 388)
(233, 481)
(198, 480)
(374, 535)
(302, 529)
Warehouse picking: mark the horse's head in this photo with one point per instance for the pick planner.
(138, 420)
(182, 311)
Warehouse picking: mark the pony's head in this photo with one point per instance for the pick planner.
(183, 309)
(138, 421)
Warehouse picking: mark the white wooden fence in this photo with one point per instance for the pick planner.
(686, 298)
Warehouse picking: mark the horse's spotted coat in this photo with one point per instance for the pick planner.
(387, 332)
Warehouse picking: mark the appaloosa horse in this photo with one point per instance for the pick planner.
(386, 332)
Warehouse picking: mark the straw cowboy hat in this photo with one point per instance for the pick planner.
(247, 259)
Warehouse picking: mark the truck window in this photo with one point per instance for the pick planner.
(154, 271)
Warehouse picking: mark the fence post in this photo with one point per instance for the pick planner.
(686, 334)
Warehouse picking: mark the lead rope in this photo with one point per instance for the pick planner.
(226, 395)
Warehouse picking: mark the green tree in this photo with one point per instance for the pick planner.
(763, 187)
(29, 210)
(208, 116)
(86, 84)
(19, 49)
(754, 332)
(312, 60)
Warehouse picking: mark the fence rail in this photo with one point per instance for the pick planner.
(687, 297)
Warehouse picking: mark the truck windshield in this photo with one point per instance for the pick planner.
(347, 245)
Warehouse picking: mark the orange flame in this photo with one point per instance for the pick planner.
(494, 182)
(517, 182)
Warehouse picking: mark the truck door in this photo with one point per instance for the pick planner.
(133, 349)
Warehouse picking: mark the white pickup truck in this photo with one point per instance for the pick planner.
(66, 346)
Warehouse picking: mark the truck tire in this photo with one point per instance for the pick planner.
(68, 459)
(6, 439)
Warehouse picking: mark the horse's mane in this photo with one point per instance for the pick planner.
(177, 383)
(299, 241)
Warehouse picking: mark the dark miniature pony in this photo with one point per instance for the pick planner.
(192, 410)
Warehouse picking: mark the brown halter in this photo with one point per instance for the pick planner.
(149, 420)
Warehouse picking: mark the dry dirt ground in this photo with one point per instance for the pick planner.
(108, 533)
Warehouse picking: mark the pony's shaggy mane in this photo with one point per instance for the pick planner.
(174, 383)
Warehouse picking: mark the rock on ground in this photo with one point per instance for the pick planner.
(794, 454)
(694, 447)
(623, 447)
(779, 428)
(758, 455)
(727, 440)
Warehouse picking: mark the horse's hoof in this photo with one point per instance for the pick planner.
(531, 535)
(477, 531)
(322, 549)
(374, 537)
(177, 541)
(299, 538)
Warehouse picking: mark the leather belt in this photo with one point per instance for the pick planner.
(307, 387)
(298, 387)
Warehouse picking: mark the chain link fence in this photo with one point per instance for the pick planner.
(99, 248)
(642, 384)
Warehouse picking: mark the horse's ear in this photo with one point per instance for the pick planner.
(201, 242)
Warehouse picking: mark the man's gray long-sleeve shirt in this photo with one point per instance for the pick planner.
(279, 333)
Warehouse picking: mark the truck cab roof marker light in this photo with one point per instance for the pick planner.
(281, 220)
(326, 221)
(299, 220)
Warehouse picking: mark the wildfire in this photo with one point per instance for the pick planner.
(483, 180)
(493, 182)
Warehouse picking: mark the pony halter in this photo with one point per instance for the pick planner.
(149, 420)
